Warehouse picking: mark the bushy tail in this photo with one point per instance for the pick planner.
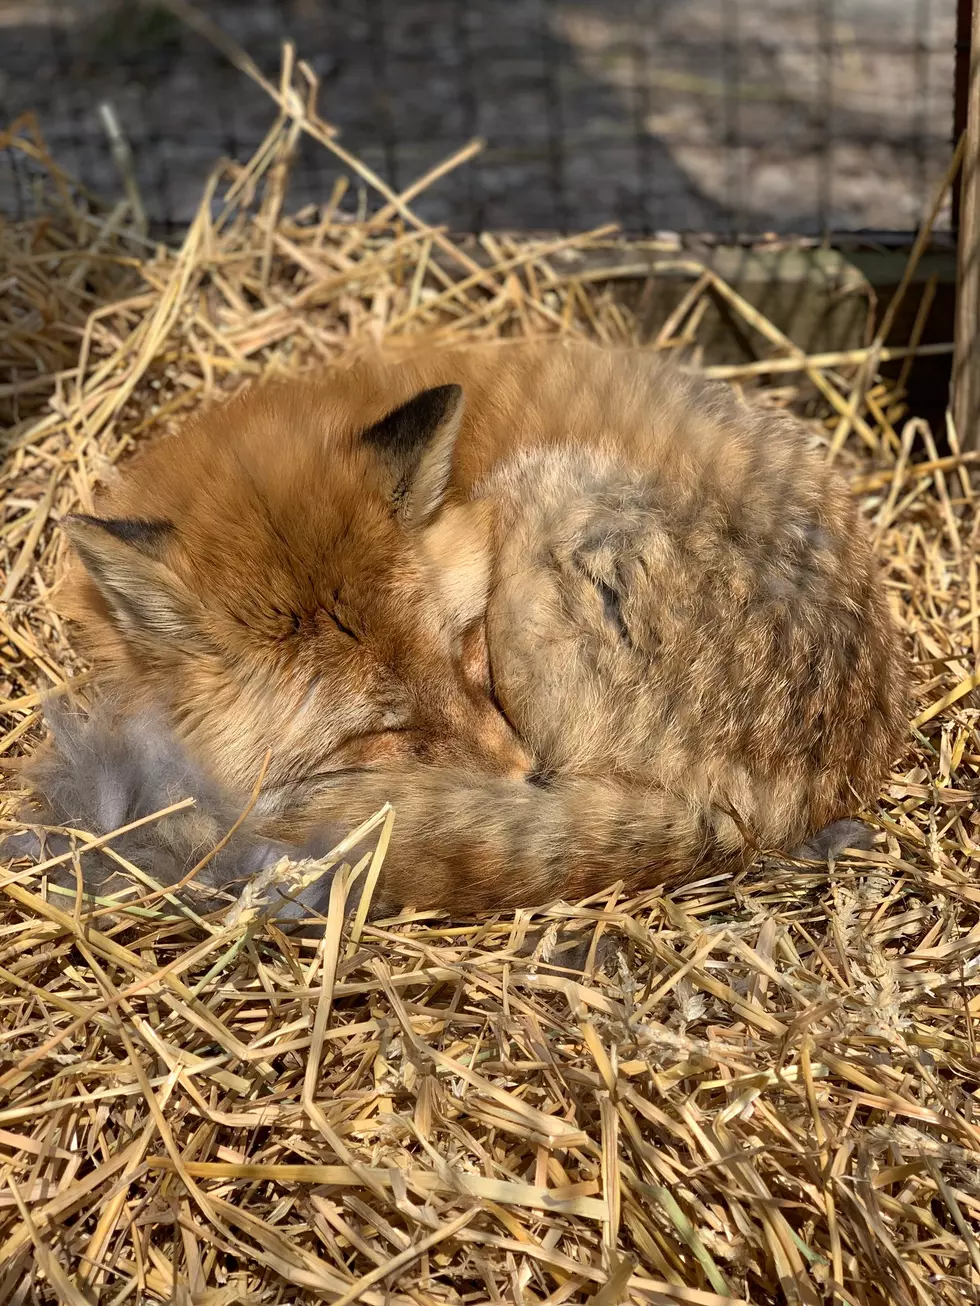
(474, 843)
(464, 842)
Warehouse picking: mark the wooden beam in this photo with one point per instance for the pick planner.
(961, 90)
(818, 297)
(966, 361)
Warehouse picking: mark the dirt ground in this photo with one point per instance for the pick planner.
(720, 115)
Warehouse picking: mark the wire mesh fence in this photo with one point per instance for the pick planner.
(800, 117)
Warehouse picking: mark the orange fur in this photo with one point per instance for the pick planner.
(687, 636)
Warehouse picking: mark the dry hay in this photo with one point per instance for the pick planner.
(771, 1096)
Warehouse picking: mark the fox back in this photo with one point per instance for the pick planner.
(681, 637)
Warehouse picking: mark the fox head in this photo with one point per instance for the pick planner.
(284, 574)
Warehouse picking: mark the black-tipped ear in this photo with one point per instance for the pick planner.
(416, 443)
(146, 535)
(123, 558)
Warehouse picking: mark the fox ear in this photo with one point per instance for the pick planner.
(123, 556)
(416, 442)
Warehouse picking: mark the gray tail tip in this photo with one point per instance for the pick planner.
(833, 839)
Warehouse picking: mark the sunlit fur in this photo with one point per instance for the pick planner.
(685, 625)
(278, 599)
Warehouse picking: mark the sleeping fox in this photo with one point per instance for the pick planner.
(580, 617)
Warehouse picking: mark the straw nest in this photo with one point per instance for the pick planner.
(769, 1095)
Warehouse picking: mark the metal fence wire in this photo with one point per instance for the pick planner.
(803, 117)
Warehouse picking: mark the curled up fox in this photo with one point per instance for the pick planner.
(581, 618)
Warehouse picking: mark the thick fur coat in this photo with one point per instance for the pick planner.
(580, 617)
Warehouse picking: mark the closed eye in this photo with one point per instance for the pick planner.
(346, 630)
(371, 749)
(612, 609)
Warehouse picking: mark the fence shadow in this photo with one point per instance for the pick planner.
(709, 115)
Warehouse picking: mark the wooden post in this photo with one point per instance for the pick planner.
(961, 90)
(966, 359)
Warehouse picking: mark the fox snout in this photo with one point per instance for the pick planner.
(461, 734)
(483, 741)
(505, 751)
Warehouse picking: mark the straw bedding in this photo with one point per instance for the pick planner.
(762, 1089)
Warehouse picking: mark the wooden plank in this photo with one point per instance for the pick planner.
(961, 90)
(819, 297)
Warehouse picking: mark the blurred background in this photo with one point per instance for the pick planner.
(731, 117)
(796, 145)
